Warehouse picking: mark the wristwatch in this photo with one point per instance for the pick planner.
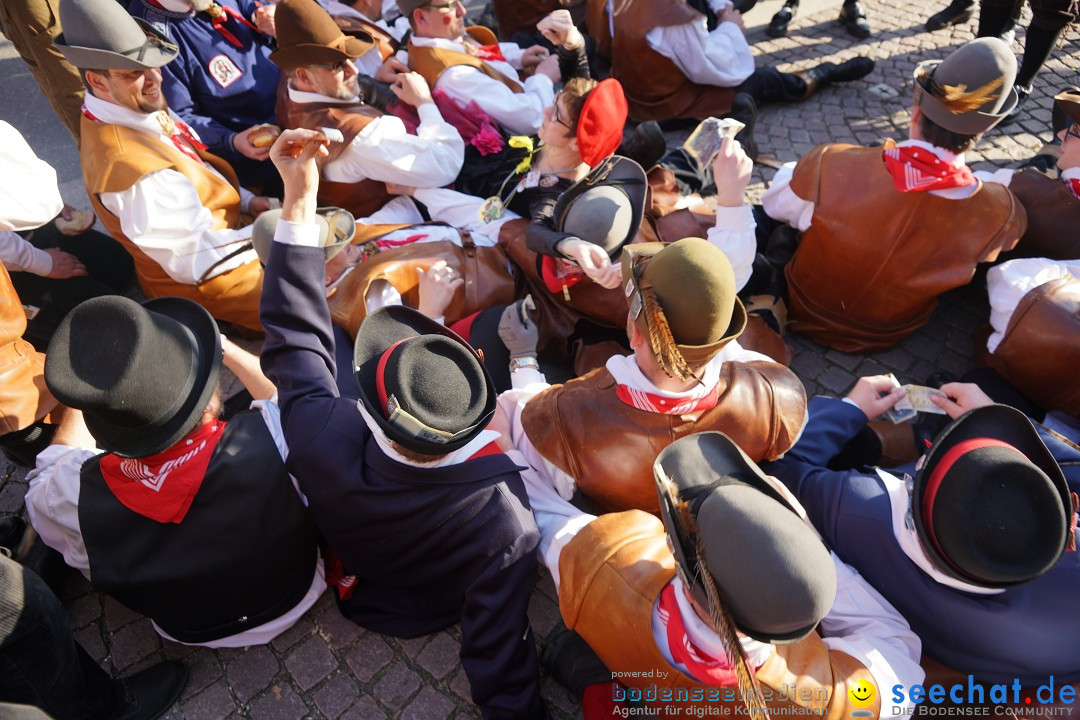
(524, 362)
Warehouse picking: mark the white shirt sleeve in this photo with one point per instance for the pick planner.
(163, 215)
(18, 254)
(1003, 176)
(733, 233)
(864, 625)
(520, 113)
(29, 195)
(387, 152)
(1009, 282)
(52, 501)
(781, 203)
(721, 57)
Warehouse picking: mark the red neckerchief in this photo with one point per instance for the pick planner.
(219, 15)
(162, 487)
(385, 244)
(667, 406)
(489, 52)
(916, 169)
(559, 276)
(335, 570)
(710, 671)
(1074, 185)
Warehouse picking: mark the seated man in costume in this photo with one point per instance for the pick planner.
(687, 374)
(222, 83)
(366, 16)
(171, 519)
(322, 91)
(173, 206)
(429, 518)
(886, 210)
(973, 550)
(674, 65)
(722, 599)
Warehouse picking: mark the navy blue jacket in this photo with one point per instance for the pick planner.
(1030, 632)
(430, 546)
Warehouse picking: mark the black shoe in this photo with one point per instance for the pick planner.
(646, 146)
(1021, 96)
(958, 11)
(744, 109)
(149, 694)
(828, 73)
(778, 26)
(854, 19)
(573, 664)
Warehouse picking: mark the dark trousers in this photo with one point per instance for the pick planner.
(1049, 19)
(40, 662)
(109, 268)
(768, 85)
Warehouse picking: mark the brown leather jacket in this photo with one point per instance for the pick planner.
(1053, 216)
(656, 89)
(870, 267)
(24, 399)
(430, 61)
(610, 576)
(360, 198)
(608, 447)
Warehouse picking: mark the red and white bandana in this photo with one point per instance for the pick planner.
(700, 398)
(706, 669)
(916, 169)
(163, 486)
(1073, 184)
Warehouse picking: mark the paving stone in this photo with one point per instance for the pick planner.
(213, 703)
(440, 656)
(336, 629)
(543, 614)
(366, 709)
(336, 695)
(116, 615)
(370, 655)
(203, 668)
(310, 662)
(429, 704)
(412, 646)
(460, 685)
(396, 686)
(93, 642)
(250, 672)
(837, 380)
(132, 643)
(279, 703)
(293, 635)
(84, 610)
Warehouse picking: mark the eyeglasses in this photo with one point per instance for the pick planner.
(452, 5)
(1073, 131)
(339, 66)
(555, 112)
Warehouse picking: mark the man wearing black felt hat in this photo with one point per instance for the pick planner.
(428, 517)
(974, 545)
(186, 518)
(732, 583)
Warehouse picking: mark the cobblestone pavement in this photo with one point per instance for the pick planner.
(325, 667)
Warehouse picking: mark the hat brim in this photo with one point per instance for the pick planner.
(356, 44)
(1000, 422)
(617, 172)
(344, 230)
(968, 123)
(379, 331)
(138, 442)
(153, 56)
(1066, 109)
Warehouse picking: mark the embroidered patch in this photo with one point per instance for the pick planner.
(224, 71)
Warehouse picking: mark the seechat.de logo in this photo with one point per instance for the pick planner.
(862, 694)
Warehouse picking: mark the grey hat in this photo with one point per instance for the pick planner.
(606, 207)
(344, 224)
(772, 573)
(406, 7)
(99, 34)
(971, 90)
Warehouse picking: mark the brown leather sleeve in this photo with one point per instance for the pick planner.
(1011, 231)
(540, 420)
(788, 406)
(805, 179)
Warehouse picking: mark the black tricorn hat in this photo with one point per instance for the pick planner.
(424, 386)
(990, 504)
(141, 374)
(606, 206)
(774, 576)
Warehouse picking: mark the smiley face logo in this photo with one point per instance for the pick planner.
(862, 693)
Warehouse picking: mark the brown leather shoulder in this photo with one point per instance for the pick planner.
(114, 159)
(482, 35)
(542, 417)
(1014, 226)
(820, 677)
(805, 179)
(788, 404)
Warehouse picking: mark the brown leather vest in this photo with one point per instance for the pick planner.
(24, 399)
(115, 157)
(514, 16)
(869, 269)
(430, 62)
(611, 574)
(608, 447)
(656, 89)
(488, 281)
(1053, 215)
(1040, 352)
(385, 44)
(361, 198)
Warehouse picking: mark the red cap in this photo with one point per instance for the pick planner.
(600, 126)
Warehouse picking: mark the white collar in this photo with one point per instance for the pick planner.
(443, 43)
(455, 458)
(625, 370)
(908, 538)
(303, 97)
(705, 638)
(944, 155)
(113, 114)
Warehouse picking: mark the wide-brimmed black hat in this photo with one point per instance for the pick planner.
(337, 228)
(606, 206)
(971, 90)
(141, 374)
(307, 35)
(101, 35)
(423, 385)
(774, 576)
(990, 504)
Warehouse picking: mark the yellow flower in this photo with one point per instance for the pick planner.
(525, 143)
